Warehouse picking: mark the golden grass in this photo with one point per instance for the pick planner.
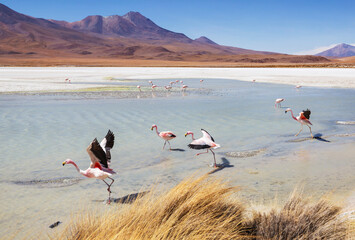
(204, 208)
(299, 218)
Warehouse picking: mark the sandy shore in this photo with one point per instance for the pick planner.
(14, 79)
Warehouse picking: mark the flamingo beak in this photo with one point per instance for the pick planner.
(64, 163)
(185, 134)
(151, 129)
(285, 111)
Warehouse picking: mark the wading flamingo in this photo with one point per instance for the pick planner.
(139, 87)
(201, 81)
(205, 142)
(153, 86)
(278, 102)
(168, 87)
(171, 83)
(100, 161)
(167, 135)
(302, 118)
(150, 82)
(183, 88)
(298, 86)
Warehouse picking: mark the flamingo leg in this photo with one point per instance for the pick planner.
(109, 188)
(214, 158)
(164, 144)
(299, 131)
(169, 145)
(201, 153)
(310, 131)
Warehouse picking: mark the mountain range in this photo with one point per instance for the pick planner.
(131, 36)
(339, 51)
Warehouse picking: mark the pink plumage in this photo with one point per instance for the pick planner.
(302, 118)
(166, 135)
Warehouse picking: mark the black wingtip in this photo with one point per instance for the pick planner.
(110, 139)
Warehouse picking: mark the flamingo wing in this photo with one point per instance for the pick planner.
(306, 113)
(107, 143)
(167, 134)
(97, 154)
(207, 135)
(198, 144)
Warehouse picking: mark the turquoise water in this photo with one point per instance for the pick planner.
(38, 132)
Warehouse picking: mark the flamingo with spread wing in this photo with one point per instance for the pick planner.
(100, 160)
(205, 142)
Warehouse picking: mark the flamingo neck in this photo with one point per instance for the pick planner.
(156, 130)
(192, 136)
(292, 115)
(76, 166)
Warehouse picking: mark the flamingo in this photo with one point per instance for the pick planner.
(171, 83)
(177, 81)
(201, 81)
(167, 135)
(298, 86)
(278, 102)
(153, 86)
(205, 142)
(100, 160)
(302, 118)
(139, 87)
(183, 88)
(151, 82)
(168, 87)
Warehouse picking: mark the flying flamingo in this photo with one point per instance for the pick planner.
(183, 88)
(139, 87)
(100, 161)
(302, 118)
(205, 142)
(278, 102)
(167, 135)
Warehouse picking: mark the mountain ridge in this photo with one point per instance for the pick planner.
(131, 36)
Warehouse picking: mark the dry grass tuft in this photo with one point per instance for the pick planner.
(202, 208)
(299, 219)
(194, 209)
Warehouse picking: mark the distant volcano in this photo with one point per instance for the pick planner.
(340, 50)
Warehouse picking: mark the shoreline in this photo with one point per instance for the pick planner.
(32, 79)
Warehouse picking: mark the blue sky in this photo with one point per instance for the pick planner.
(271, 25)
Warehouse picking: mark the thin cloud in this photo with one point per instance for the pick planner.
(319, 49)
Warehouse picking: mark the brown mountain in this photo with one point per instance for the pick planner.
(206, 40)
(131, 25)
(131, 36)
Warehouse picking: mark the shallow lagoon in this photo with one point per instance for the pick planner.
(39, 131)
